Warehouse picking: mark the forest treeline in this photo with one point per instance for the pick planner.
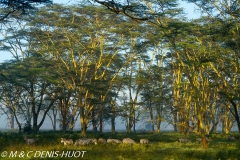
(86, 63)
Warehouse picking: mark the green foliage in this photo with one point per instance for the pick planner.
(163, 146)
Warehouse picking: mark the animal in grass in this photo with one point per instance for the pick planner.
(29, 140)
(144, 141)
(113, 141)
(66, 141)
(128, 140)
(82, 141)
(94, 140)
(230, 138)
(184, 140)
(85, 141)
(102, 141)
(200, 139)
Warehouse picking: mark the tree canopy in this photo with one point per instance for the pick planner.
(9, 7)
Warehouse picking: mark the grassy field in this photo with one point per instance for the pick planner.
(163, 146)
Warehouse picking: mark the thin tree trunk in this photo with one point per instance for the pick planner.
(64, 111)
(159, 119)
(202, 131)
(134, 121)
(204, 142)
(113, 125)
(35, 119)
(214, 128)
(129, 123)
(151, 116)
(101, 119)
(101, 123)
(12, 121)
(113, 119)
(64, 121)
(18, 123)
(236, 115)
(83, 122)
(94, 121)
(175, 120)
(54, 121)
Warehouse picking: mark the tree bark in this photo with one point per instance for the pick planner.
(83, 122)
(101, 119)
(214, 128)
(236, 115)
(113, 119)
(12, 121)
(18, 123)
(202, 131)
(151, 115)
(94, 121)
(204, 142)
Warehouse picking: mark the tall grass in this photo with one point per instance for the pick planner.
(163, 146)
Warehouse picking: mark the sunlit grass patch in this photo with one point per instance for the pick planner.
(162, 146)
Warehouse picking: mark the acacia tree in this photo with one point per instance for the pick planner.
(162, 83)
(194, 63)
(134, 86)
(161, 14)
(83, 51)
(33, 80)
(65, 101)
(133, 82)
(14, 43)
(10, 99)
(52, 114)
(16, 8)
(225, 15)
(200, 57)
